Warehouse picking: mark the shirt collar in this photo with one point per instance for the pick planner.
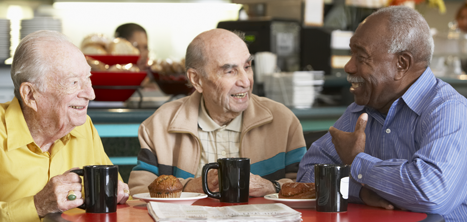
(208, 124)
(415, 97)
(16, 127)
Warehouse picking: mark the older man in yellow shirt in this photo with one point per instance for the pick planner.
(45, 130)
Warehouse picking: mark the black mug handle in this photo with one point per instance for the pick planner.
(205, 171)
(80, 172)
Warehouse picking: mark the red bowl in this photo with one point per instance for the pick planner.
(116, 59)
(173, 84)
(116, 86)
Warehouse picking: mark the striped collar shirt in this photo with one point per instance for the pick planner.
(217, 141)
(415, 156)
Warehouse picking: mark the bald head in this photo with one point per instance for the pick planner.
(208, 45)
(408, 31)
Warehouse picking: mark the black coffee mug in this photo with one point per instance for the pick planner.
(332, 187)
(100, 188)
(234, 179)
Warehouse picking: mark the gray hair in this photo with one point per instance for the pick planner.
(194, 57)
(30, 63)
(409, 32)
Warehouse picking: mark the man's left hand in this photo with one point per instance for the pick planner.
(349, 144)
(123, 192)
(260, 186)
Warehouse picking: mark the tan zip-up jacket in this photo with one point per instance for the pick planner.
(271, 137)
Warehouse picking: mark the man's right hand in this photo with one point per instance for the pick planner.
(195, 185)
(370, 198)
(53, 198)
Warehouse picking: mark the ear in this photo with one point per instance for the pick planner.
(195, 79)
(27, 92)
(404, 63)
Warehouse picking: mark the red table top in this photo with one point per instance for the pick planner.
(136, 211)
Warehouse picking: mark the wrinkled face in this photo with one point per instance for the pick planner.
(65, 101)
(140, 41)
(228, 79)
(371, 68)
(462, 20)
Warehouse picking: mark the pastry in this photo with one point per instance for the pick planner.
(165, 186)
(120, 46)
(298, 191)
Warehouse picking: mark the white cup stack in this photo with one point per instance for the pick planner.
(265, 64)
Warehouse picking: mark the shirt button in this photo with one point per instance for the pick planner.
(388, 131)
(359, 176)
(223, 153)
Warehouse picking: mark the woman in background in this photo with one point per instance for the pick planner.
(138, 37)
(461, 18)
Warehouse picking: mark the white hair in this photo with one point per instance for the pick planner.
(31, 63)
(409, 32)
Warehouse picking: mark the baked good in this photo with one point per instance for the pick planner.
(96, 38)
(165, 186)
(93, 49)
(298, 191)
(121, 46)
(96, 65)
(124, 68)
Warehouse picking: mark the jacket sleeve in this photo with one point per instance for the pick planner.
(19, 210)
(296, 149)
(433, 179)
(323, 151)
(147, 167)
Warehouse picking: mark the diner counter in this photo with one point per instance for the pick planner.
(125, 122)
(136, 211)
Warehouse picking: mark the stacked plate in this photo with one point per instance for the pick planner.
(297, 90)
(4, 39)
(40, 23)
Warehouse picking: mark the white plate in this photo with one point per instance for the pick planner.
(186, 198)
(293, 203)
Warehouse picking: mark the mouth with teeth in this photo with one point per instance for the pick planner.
(239, 95)
(355, 81)
(77, 107)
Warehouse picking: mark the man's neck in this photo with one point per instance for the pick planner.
(42, 131)
(221, 119)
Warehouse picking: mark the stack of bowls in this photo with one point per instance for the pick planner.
(40, 23)
(4, 39)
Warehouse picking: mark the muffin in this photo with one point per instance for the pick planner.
(298, 191)
(165, 186)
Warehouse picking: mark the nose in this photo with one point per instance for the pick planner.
(244, 79)
(87, 91)
(350, 67)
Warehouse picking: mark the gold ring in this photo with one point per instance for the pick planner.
(126, 191)
(71, 195)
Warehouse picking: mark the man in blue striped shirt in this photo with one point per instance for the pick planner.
(405, 135)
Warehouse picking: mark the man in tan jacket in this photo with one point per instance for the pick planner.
(221, 119)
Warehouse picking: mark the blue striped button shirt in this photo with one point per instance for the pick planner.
(415, 156)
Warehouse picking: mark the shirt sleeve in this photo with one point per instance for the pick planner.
(323, 151)
(433, 180)
(19, 210)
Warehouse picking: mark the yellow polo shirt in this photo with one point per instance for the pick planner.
(25, 169)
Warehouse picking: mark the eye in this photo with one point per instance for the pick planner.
(231, 71)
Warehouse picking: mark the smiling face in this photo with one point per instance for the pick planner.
(228, 80)
(64, 103)
(371, 68)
